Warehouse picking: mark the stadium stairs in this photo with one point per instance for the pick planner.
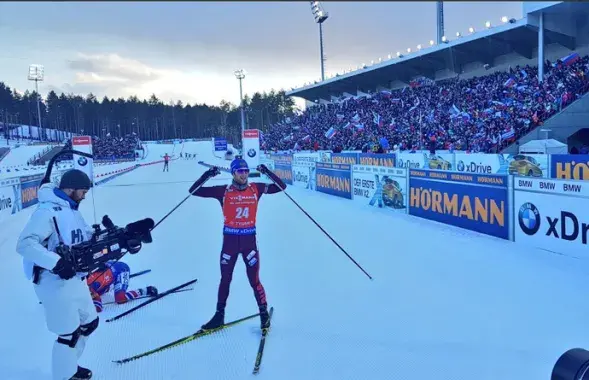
(43, 159)
(3, 153)
(561, 125)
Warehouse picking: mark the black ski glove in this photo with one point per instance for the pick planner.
(64, 269)
(213, 171)
(263, 169)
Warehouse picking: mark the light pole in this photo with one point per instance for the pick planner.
(320, 17)
(240, 75)
(37, 74)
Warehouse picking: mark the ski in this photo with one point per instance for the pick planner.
(140, 273)
(262, 344)
(142, 297)
(189, 338)
(161, 295)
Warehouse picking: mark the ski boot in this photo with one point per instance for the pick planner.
(264, 317)
(82, 374)
(217, 321)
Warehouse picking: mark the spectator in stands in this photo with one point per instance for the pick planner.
(480, 114)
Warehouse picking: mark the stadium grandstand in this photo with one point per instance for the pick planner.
(487, 91)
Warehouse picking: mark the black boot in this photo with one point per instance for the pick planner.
(82, 374)
(217, 321)
(264, 317)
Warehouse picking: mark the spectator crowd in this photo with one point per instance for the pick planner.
(111, 148)
(480, 114)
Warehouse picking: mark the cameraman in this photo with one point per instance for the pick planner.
(69, 310)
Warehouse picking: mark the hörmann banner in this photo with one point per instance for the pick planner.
(334, 179)
(470, 201)
(552, 215)
(570, 166)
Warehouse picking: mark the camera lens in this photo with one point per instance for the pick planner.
(572, 365)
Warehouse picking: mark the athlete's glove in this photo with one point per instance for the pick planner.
(64, 269)
(213, 171)
(263, 169)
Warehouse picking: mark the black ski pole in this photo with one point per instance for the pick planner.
(179, 204)
(322, 230)
(140, 273)
(142, 297)
(152, 300)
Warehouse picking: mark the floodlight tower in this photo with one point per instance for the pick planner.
(440, 20)
(37, 74)
(320, 17)
(240, 75)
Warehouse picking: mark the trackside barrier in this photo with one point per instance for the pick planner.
(18, 193)
(504, 196)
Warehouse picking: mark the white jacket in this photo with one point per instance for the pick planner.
(39, 238)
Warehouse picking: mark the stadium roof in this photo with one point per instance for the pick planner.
(515, 36)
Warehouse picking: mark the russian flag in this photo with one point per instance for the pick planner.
(509, 83)
(330, 133)
(570, 59)
(508, 135)
(386, 93)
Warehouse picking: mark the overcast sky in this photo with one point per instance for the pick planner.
(188, 50)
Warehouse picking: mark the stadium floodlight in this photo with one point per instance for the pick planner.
(444, 39)
(488, 24)
(320, 16)
(399, 54)
(431, 42)
(240, 75)
(504, 19)
(390, 56)
(408, 50)
(37, 74)
(471, 29)
(458, 34)
(419, 47)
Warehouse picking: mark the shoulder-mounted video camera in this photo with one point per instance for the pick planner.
(107, 244)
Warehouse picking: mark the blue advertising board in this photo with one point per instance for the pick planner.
(378, 159)
(220, 144)
(475, 202)
(334, 179)
(284, 172)
(29, 186)
(345, 158)
(570, 166)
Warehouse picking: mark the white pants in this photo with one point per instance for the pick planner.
(68, 305)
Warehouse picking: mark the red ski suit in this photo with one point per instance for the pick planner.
(239, 232)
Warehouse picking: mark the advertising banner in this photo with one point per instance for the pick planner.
(334, 179)
(345, 158)
(442, 161)
(377, 159)
(10, 197)
(552, 215)
(473, 202)
(570, 166)
(380, 186)
(251, 148)
(29, 185)
(220, 144)
(85, 164)
(305, 159)
(527, 165)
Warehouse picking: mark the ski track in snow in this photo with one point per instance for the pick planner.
(445, 303)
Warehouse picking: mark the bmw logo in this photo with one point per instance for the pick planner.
(460, 166)
(82, 161)
(251, 153)
(529, 218)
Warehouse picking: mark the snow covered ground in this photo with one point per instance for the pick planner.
(445, 303)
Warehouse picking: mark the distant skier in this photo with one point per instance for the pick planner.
(166, 162)
(115, 275)
(239, 202)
